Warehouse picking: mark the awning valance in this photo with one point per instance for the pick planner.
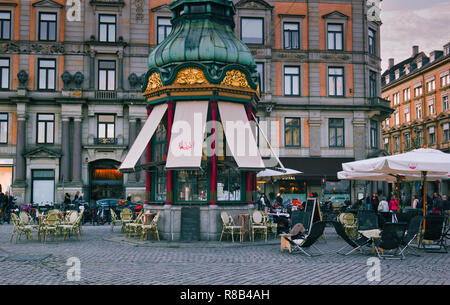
(145, 135)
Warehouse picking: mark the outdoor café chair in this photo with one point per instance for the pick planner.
(269, 224)
(308, 241)
(257, 224)
(348, 220)
(414, 227)
(20, 227)
(114, 219)
(434, 231)
(356, 244)
(71, 225)
(126, 216)
(51, 225)
(153, 226)
(228, 226)
(367, 221)
(133, 227)
(390, 240)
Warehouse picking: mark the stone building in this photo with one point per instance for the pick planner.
(319, 64)
(418, 89)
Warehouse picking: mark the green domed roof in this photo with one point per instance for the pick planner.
(202, 32)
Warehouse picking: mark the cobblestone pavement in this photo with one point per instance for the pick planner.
(110, 258)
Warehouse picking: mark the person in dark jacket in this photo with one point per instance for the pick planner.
(437, 204)
(375, 202)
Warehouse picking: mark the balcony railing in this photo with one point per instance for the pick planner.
(105, 95)
(378, 101)
(105, 141)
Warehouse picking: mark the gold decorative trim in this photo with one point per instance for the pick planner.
(154, 83)
(191, 76)
(235, 78)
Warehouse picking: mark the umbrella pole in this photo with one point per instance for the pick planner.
(398, 193)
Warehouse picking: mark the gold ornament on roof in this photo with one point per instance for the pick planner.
(154, 82)
(190, 76)
(235, 78)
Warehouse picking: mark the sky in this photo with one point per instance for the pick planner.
(425, 23)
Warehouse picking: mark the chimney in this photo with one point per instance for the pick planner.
(415, 50)
(391, 62)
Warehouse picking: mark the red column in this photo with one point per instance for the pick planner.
(249, 179)
(148, 159)
(169, 174)
(213, 169)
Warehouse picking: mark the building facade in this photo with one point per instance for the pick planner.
(71, 104)
(418, 89)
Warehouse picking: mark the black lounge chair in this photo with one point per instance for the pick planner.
(414, 227)
(356, 244)
(302, 217)
(309, 240)
(434, 231)
(391, 240)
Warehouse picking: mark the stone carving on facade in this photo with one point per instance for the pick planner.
(133, 79)
(235, 78)
(9, 47)
(139, 10)
(190, 76)
(154, 82)
(22, 76)
(67, 79)
(78, 79)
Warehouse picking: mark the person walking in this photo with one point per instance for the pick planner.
(393, 207)
(415, 202)
(375, 202)
(383, 206)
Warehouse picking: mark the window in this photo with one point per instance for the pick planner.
(292, 132)
(396, 143)
(397, 74)
(418, 91)
(373, 134)
(291, 80)
(191, 185)
(45, 128)
(373, 84)
(445, 79)
(260, 69)
(159, 153)
(228, 184)
(407, 115)
(107, 28)
(386, 144)
(252, 30)
(431, 136)
(396, 98)
(164, 28)
(47, 74)
(335, 36)
(3, 128)
(431, 108)
(386, 123)
(445, 133)
(336, 132)
(47, 26)
(407, 141)
(105, 127)
(419, 138)
(418, 111)
(335, 81)
(43, 186)
(5, 25)
(445, 103)
(291, 35)
(106, 75)
(431, 85)
(4, 73)
(406, 94)
(372, 42)
(396, 118)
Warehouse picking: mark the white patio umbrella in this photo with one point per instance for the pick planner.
(422, 161)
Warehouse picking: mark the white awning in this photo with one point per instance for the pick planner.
(188, 134)
(239, 135)
(143, 138)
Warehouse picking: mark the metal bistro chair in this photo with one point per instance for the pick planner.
(257, 224)
(269, 224)
(228, 226)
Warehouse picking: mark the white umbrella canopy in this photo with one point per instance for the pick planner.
(415, 162)
(267, 173)
(386, 177)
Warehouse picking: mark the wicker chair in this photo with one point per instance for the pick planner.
(19, 228)
(257, 224)
(126, 216)
(270, 225)
(50, 225)
(153, 226)
(114, 219)
(348, 220)
(135, 226)
(228, 226)
(71, 225)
